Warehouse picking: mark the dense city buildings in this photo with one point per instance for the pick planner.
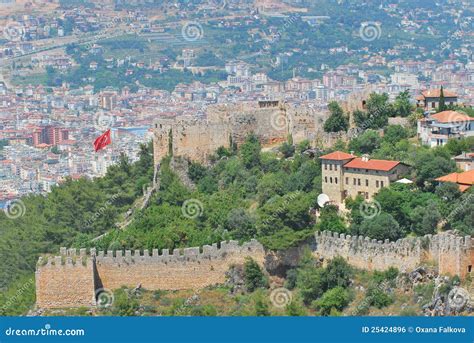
(69, 73)
(237, 158)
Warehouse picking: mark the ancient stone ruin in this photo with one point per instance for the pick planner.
(272, 122)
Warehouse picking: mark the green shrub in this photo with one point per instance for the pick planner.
(261, 307)
(295, 308)
(378, 297)
(253, 275)
(387, 275)
(338, 273)
(335, 299)
(291, 278)
(158, 294)
(124, 304)
(311, 283)
(203, 311)
(425, 291)
(362, 309)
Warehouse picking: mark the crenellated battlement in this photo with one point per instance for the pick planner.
(405, 245)
(446, 240)
(78, 257)
(85, 271)
(451, 253)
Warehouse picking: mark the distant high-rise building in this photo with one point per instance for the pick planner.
(50, 135)
(108, 100)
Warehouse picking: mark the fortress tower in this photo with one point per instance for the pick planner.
(197, 138)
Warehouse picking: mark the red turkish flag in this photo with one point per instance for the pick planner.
(102, 141)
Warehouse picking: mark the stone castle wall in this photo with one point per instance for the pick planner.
(188, 137)
(452, 254)
(71, 280)
(190, 270)
(66, 280)
(197, 138)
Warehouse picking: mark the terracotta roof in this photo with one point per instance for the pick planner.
(383, 165)
(435, 93)
(465, 178)
(451, 117)
(337, 155)
(462, 188)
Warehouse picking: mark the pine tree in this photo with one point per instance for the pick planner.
(442, 102)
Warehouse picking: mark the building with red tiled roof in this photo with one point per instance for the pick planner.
(436, 93)
(337, 155)
(436, 129)
(429, 99)
(448, 117)
(464, 180)
(345, 175)
(361, 163)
